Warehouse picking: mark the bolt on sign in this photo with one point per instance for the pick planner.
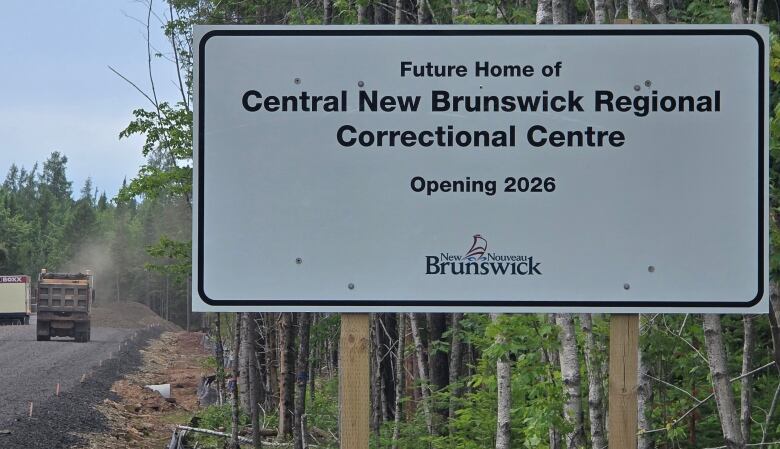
(512, 169)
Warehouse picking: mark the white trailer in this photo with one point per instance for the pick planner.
(15, 299)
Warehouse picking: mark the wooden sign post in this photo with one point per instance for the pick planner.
(623, 368)
(354, 387)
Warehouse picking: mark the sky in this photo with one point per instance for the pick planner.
(58, 94)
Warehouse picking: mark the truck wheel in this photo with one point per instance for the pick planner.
(42, 331)
(82, 333)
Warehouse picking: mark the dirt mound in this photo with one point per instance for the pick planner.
(139, 418)
(127, 315)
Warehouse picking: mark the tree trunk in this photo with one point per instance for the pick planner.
(595, 384)
(327, 12)
(219, 354)
(455, 362)
(560, 12)
(736, 12)
(600, 12)
(399, 379)
(287, 375)
(255, 385)
(235, 410)
(724, 396)
(437, 327)
(658, 8)
(272, 360)
(747, 365)
(634, 10)
(570, 373)
(376, 376)
(422, 367)
(302, 368)
(314, 365)
(504, 383)
(438, 361)
(383, 13)
(364, 11)
(387, 330)
(759, 11)
(554, 359)
(423, 12)
(644, 401)
(398, 18)
(244, 356)
(544, 12)
(774, 327)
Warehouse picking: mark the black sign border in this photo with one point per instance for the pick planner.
(364, 304)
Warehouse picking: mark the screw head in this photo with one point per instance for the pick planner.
(297, 81)
(361, 84)
(626, 286)
(637, 87)
(298, 260)
(651, 269)
(351, 286)
(648, 83)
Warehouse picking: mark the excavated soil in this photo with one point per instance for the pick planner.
(138, 418)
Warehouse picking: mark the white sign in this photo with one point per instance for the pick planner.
(514, 169)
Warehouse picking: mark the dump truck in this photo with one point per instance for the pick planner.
(15, 299)
(64, 303)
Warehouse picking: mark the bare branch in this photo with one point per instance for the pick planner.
(677, 421)
(672, 386)
(133, 84)
(178, 65)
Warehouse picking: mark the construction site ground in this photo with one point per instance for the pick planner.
(32, 413)
(138, 418)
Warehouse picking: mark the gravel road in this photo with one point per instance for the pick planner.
(30, 371)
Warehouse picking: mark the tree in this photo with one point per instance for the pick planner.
(595, 383)
(287, 374)
(570, 372)
(235, 402)
(504, 376)
(302, 369)
(422, 371)
(724, 395)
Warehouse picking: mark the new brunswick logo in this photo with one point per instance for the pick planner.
(478, 249)
(478, 261)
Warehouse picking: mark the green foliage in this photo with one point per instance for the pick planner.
(774, 156)
(168, 147)
(178, 254)
(323, 410)
(215, 417)
(703, 12)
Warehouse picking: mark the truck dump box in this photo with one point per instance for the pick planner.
(15, 299)
(64, 303)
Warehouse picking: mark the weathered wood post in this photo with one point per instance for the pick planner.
(623, 368)
(354, 395)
